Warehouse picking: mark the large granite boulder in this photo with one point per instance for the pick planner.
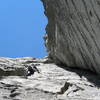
(73, 32)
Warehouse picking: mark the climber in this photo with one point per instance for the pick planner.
(31, 70)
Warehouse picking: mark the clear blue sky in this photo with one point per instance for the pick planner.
(22, 26)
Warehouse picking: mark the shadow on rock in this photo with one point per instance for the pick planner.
(89, 75)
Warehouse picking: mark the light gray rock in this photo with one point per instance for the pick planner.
(52, 83)
(73, 32)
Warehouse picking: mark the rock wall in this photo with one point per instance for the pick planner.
(73, 32)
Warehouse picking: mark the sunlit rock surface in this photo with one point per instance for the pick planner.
(52, 83)
(73, 32)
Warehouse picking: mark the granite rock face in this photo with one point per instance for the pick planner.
(73, 32)
(72, 40)
(52, 83)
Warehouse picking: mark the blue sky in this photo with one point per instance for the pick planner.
(22, 26)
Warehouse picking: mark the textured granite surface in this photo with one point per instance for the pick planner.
(73, 32)
(52, 83)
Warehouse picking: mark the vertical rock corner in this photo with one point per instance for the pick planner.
(73, 33)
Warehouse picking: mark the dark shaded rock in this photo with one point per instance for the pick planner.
(73, 32)
(14, 94)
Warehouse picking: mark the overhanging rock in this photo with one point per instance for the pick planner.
(73, 32)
